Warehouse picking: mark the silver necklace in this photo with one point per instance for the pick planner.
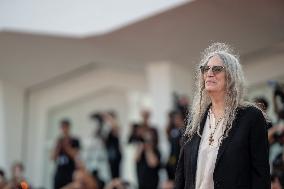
(211, 136)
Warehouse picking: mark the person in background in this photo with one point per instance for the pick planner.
(82, 179)
(112, 144)
(262, 103)
(17, 178)
(134, 136)
(145, 127)
(174, 133)
(3, 181)
(277, 132)
(278, 101)
(65, 155)
(182, 106)
(148, 154)
(148, 162)
(275, 183)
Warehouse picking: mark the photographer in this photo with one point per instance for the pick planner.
(3, 181)
(108, 132)
(278, 101)
(65, 155)
(148, 154)
(276, 134)
(113, 145)
(148, 162)
(82, 179)
(273, 135)
(174, 133)
(181, 104)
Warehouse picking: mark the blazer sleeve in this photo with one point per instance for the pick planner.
(180, 176)
(259, 153)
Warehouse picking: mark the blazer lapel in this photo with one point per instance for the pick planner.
(227, 140)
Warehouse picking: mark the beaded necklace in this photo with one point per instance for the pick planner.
(211, 136)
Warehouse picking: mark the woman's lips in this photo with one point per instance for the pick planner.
(213, 82)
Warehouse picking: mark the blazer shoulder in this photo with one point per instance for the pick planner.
(250, 111)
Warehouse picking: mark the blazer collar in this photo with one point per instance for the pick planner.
(226, 141)
(194, 148)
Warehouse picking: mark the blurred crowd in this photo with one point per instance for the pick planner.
(74, 172)
(276, 135)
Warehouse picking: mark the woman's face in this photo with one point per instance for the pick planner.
(214, 78)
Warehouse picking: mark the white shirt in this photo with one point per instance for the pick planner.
(207, 154)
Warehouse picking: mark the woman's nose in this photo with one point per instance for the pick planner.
(210, 72)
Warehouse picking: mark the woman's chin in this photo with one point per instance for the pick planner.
(210, 89)
(213, 91)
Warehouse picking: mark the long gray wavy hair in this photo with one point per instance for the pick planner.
(235, 89)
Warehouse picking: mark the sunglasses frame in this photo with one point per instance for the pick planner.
(215, 69)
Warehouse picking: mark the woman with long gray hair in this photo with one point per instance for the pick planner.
(226, 146)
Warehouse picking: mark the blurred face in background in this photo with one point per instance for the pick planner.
(178, 120)
(2, 179)
(110, 118)
(145, 115)
(65, 128)
(17, 171)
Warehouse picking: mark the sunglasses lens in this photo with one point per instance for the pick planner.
(204, 69)
(217, 69)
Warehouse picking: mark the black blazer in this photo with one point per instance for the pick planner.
(242, 159)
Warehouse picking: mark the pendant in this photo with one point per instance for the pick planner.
(211, 139)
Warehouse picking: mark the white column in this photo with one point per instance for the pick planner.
(160, 90)
(159, 80)
(165, 78)
(183, 79)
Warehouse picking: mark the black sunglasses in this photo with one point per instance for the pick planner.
(215, 69)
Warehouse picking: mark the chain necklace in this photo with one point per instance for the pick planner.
(211, 137)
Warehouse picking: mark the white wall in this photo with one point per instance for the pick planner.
(11, 124)
(183, 79)
(261, 69)
(14, 120)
